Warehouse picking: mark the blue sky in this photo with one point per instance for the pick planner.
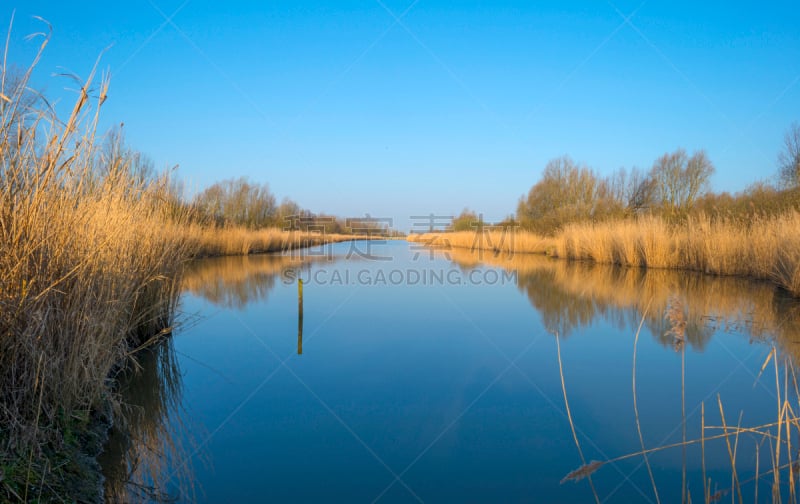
(399, 108)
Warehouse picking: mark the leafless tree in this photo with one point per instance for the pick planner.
(680, 179)
(640, 191)
(238, 201)
(566, 192)
(789, 158)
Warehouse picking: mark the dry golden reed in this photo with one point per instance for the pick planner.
(583, 472)
(207, 241)
(89, 269)
(763, 248)
(492, 240)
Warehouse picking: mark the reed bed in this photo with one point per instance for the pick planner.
(89, 273)
(763, 247)
(207, 241)
(496, 241)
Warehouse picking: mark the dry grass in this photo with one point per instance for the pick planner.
(499, 242)
(764, 248)
(90, 259)
(213, 242)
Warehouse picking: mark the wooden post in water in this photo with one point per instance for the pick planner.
(300, 316)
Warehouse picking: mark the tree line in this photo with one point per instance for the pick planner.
(238, 202)
(675, 187)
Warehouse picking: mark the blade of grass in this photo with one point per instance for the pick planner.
(636, 407)
(731, 454)
(571, 423)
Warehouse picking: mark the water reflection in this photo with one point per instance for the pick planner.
(234, 282)
(143, 460)
(146, 458)
(300, 317)
(680, 309)
(508, 439)
(571, 295)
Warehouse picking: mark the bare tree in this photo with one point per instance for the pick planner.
(789, 158)
(238, 201)
(696, 176)
(614, 186)
(680, 179)
(640, 192)
(286, 211)
(566, 193)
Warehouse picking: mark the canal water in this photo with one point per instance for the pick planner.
(457, 376)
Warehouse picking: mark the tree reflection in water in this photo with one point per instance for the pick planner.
(571, 295)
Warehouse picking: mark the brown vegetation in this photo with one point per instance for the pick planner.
(90, 257)
(568, 192)
(765, 248)
(665, 218)
(207, 241)
(243, 205)
(93, 246)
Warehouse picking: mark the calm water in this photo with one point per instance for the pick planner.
(436, 379)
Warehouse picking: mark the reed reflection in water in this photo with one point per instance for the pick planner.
(570, 295)
(147, 457)
(236, 281)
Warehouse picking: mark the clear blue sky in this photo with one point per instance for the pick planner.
(345, 109)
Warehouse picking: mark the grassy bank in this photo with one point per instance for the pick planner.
(763, 248)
